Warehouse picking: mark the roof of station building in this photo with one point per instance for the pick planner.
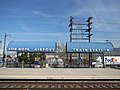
(73, 47)
(32, 46)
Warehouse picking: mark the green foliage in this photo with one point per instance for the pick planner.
(24, 57)
(43, 56)
(94, 60)
(61, 54)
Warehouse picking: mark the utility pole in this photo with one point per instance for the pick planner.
(71, 29)
(74, 27)
(89, 28)
(70, 25)
(79, 32)
(89, 37)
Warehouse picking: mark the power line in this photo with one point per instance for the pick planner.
(106, 22)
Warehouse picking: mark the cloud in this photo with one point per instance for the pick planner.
(103, 12)
(59, 37)
(15, 9)
(24, 27)
(60, 34)
(106, 18)
(35, 12)
(39, 13)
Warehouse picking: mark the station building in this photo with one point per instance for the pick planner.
(71, 48)
(32, 48)
(89, 48)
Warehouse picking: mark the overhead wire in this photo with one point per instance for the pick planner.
(61, 21)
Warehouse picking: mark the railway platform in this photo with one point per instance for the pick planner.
(59, 73)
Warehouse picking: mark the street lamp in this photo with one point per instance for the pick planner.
(4, 49)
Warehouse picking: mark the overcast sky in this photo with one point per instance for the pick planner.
(48, 20)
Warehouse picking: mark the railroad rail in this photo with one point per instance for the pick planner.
(66, 84)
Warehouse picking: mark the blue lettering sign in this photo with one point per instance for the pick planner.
(89, 50)
(108, 60)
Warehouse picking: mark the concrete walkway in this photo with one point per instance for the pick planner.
(59, 73)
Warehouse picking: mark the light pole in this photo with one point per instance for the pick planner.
(4, 49)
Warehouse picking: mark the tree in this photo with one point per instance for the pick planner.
(43, 56)
(31, 59)
(23, 57)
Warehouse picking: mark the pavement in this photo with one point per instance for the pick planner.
(59, 73)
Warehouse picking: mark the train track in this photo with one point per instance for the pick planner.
(36, 85)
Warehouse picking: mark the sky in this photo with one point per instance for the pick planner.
(48, 20)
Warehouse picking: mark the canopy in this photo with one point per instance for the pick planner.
(32, 46)
(73, 47)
